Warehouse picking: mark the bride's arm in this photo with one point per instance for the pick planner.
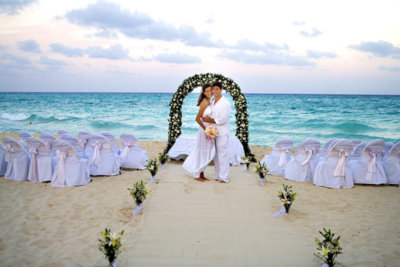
(203, 106)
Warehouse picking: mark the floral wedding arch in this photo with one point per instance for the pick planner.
(175, 114)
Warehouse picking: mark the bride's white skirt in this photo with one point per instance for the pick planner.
(201, 156)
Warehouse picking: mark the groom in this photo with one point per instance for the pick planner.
(220, 117)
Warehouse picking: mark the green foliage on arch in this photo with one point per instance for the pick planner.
(175, 115)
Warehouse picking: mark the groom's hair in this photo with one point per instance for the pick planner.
(217, 84)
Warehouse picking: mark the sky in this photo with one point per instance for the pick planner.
(289, 47)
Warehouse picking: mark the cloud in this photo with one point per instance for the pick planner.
(392, 69)
(2, 47)
(379, 49)
(114, 52)
(210, 20)
(29, 46)
(12, 61)
(109, 18)
(316, 54)
(53, 64)
(274, 58)
(252, 46)
(177, 58)
(12, 7)
(298, 23)
(66, 51)
(314, 33)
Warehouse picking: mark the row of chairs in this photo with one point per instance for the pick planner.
(68, 161)
(340, 164)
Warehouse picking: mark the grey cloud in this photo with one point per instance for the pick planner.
(12, 61)
(66, 51)
(29, 46)
(379, 49)
(316, 54)
(114, 52)
(266, 58)
(12, 7)
(177, 58)
(109, 17)
(392, 69)
(314, 33)
(53, 64)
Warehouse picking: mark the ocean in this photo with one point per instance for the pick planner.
(271, 116)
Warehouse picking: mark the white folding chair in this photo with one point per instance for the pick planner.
(277, 160)
(17, 160)
(132, 156)
(113, 142)
(42, 162)
(74, 142)
(3, 162)
(71, 169)
(366, 163)
(103, 160)
(23, 136)
(333, 170)
(301, 167)
(391, 165)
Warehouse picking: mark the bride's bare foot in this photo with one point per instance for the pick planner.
(202, 176)
(200, 179)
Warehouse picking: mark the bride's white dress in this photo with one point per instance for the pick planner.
(204, 152)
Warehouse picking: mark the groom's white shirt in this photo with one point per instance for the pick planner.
(220, 114)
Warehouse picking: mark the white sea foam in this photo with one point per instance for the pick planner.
(15, 116)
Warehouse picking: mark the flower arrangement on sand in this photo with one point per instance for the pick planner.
(261, 170)
(139, 193)
(287, 196)
(162, 158)
(152, 166)
(211, 132)
(328, 249)
(247, 161)
(110, 245)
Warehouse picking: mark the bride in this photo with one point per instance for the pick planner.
(204, 152)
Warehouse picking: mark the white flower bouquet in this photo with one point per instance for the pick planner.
(211, 132)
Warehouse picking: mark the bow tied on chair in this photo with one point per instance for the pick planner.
(371, 165)
(33, 172)
(10, 151)
(96, 153)
(61, 157)
(127, 147)
(340, 167)
(282, 158)
(309, 151)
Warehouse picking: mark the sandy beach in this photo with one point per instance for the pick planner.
(188, 223)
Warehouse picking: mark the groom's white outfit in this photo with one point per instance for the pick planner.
(220, 114)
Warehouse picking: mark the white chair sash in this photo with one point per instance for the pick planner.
(61, 157)
(310, 152)
(282, 158)
(340, 167)
(125, 152)
(371, 166)
(83, 142)
(33, 172)
(96, 154)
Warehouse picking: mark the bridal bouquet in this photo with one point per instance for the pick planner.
(287, 196)
(110, 245)
(211, 132)
(329, 248)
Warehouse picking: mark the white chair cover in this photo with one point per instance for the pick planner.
(388, 146)
(366, 163)
(277, 160)
(103, 160)
(61, 132)
(23, 136)
(42, 162)
(391, 165)
(71, 169)
(17, 160)
(132, 155)
(83, 138)
(113, 142)
(333, 170)
(3, 162)
(184, 145)
(356, 142)
(301, 167)
(324, 152)
(74, 142)
(48, 139)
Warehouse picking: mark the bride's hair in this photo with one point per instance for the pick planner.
(202, 95)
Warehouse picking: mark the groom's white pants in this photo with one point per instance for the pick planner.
(221, 159)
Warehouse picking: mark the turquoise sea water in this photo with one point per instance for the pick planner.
(271, 117)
